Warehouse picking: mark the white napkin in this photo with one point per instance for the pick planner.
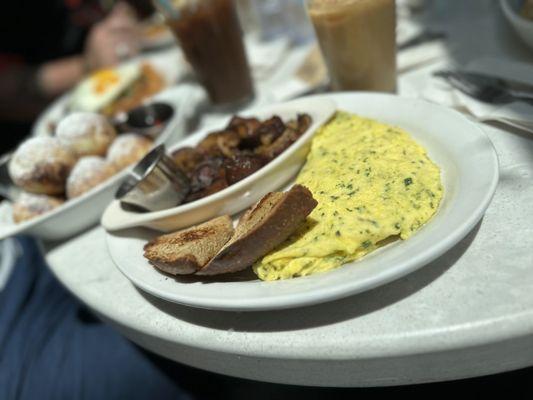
(517, 114)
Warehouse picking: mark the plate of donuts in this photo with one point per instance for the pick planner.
(65, 181)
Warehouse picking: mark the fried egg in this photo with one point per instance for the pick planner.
(373, 184)
(103, 87)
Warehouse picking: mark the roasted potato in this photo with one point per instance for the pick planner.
(228, 156)
(304, 122)
(242, 165)
(243, 126)
(187, 159)
(222, 143)
(264, 133)
(271, 151)
(208, 177)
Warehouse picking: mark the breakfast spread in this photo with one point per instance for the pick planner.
(110, 91)
(364, 184)
(373, 183)
(214, 247)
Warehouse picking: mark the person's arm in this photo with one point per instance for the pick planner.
(56, 77)
(21, 97)
(25, 90)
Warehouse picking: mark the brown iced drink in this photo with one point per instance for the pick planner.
(210, 36)
(357, 40)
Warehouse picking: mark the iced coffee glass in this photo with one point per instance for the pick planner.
(357, 41)
(210, 36)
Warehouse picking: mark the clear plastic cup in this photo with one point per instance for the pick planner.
(357, 39)
(211, 39)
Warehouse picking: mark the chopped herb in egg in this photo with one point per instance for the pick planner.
(368, 189)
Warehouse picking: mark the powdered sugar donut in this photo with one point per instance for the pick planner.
(87, 173)
(41, 165)
(86, 133)
(30, 205)
(127, 149)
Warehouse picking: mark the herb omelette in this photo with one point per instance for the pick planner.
(373, 183)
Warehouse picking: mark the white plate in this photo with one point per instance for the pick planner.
(469, 172)
(243, 194)
(170, 64)
(80, 213)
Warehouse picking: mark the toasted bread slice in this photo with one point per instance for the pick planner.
(261, 229)
(185, 252)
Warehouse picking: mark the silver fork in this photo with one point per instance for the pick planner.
(485, 88)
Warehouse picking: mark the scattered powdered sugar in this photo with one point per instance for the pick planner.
(78, 124)
(89, 169)
(29, 205)
(38, 203)
(38, 150)
(126, 144)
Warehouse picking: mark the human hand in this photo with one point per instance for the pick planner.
(114, 39)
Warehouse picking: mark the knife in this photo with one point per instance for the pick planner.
(481, 78)
(423, 37)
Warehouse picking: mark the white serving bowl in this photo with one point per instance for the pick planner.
(242, 194)
(84, 211)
